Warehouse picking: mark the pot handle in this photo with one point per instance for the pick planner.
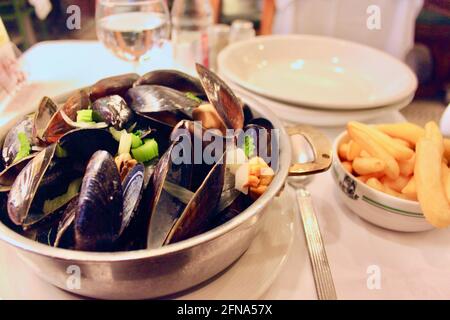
(311, 150)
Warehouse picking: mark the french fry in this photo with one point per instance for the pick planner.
(405, 131)
(411, 133)
(366, 177)
(429, 185)
(375, 150)
(391, 191)
(364, 166)
(398, 151)
(364, 154)
(402, 142)
(397, 184)
(446, 180)
(347, 166)
(410, 189)
(407, 166)
(353, 150)
(342, 151)
(432, 132)
(376, 184)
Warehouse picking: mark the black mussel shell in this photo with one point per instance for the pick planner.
(114, 111)
(132, 187)
(113, 85)
(65, 231)
(164, 208)
(99, 214)
(47, 108)
(173, 79)
(10, 173)
(82, 143)
(11, 145)
(148, 99)
(220, 95)
(200, 211)
(26, 185)
(57, 127)
(248, 114)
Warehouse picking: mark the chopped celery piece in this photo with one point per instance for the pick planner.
(84, 115)
(146, 152)
(249, 146)
(135, 141)
(25, 147)
(125, 143)
(192, 96)
(54, 204)
(116, 133)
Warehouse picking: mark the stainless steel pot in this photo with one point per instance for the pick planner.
(151, 273)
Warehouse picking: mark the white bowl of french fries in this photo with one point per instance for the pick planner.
(395, 176)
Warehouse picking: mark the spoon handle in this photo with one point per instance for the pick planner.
(318, 257)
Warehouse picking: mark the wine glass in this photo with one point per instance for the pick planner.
(130, 29)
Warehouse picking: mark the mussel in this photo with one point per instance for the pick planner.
(116, 85)
(173, 79)
(113, 110)
(11, 145)
(47, 108)
(57, 126)
(99, 212)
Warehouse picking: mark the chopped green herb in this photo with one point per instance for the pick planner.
(146, 152)
(25, 147)
(249, 146)
(139, 133)
(192, 96)
(116, 133)
(84, 115)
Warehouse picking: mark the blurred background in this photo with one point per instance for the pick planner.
(28, 22)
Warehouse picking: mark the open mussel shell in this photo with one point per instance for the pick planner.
(173, 79)
(98, 216)
(11, 145)
(57, 126)
(220, 95)
(132, 187)
(114, 111)
(65, 231)
(10, 173)
(113, 85)
(47, 108)
(26, 185)
(165, 209)
(148, 99)
(199, 212)
(82, 143)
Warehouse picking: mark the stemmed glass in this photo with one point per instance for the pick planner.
(130, 29)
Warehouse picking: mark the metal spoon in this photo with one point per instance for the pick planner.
(311, 154)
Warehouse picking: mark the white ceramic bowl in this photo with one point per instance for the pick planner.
(375, 206)
(317, 72)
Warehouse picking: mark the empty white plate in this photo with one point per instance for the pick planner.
(318, 72)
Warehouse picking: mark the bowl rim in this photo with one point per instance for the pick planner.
(17, 240)
(389, 197)
(227, 53)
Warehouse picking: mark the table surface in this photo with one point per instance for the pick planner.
(408, 265)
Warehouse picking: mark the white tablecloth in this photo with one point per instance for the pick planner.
(415, 265)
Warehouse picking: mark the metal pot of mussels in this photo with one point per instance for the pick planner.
(118, 184)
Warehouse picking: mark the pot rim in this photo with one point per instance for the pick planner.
(16, 240)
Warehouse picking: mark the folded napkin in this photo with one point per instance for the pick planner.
(347, 19)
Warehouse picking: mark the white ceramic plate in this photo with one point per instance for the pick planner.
(248, 278)
(316, 117)
(318, 72)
